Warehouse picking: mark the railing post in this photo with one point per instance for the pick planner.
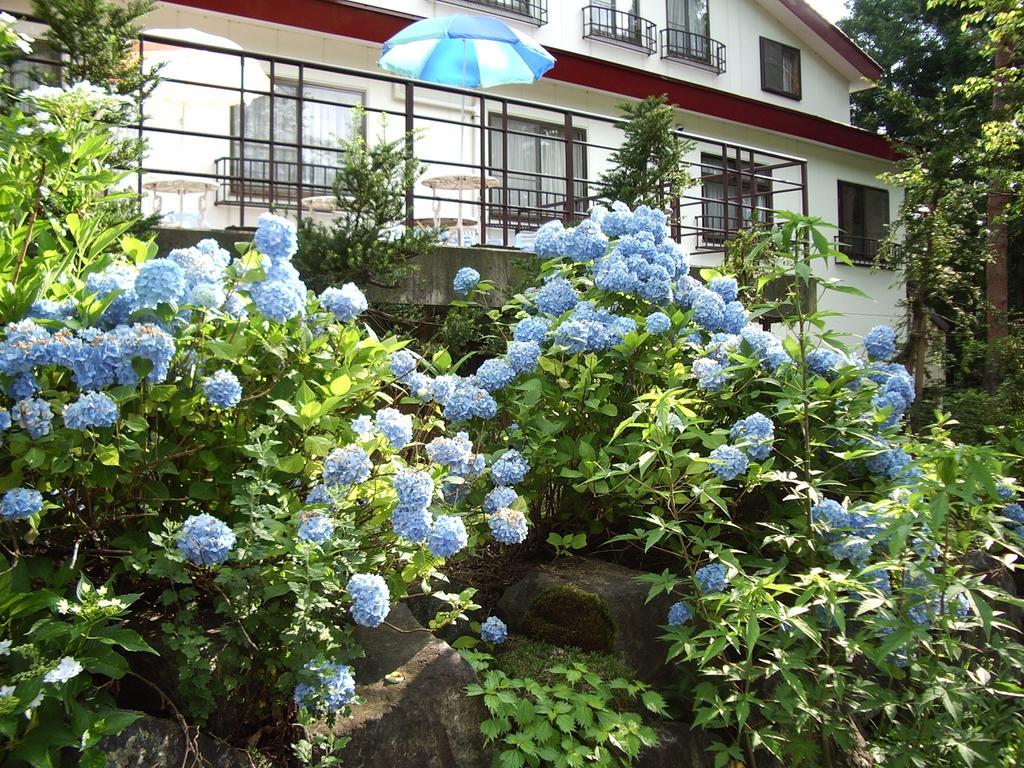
(300, 110)
(483, 171)
(410, 199)
(273, 165)
(241, 147)
(504, 173)
(570, 175)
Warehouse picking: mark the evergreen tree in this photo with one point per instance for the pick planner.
(649, 167)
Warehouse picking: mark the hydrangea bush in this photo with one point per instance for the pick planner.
(815, 550)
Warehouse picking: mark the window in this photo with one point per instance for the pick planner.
(863, 220)
(688, 29)
(734, 195)
(618, 20)
(265, 171)
(43, 65)
(780, 69)
(536, 188)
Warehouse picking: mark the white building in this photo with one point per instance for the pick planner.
(763, 84)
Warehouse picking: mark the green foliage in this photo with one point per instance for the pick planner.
(40, 712)
(569, 616)
(570, 722)
(524, 657)
(649, 167)
(366, 239)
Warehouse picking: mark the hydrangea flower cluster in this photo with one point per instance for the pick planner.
(347, 466)
(711, 579)
(499, 498)
(456, 453)
(728, 462)
(591, 330)
(493, 630)
(319, 494)
(466, 279)
(316, 529)
(533, 329)
(395, 426)
(765, 347)
(710, 374)
(281, 295)
(371, 600)
(222, 389)
(508, 526)
(880, 343)
(679, 614)
(824, 361)
(345, 303)
(92, 410)
(848, 533)
(447, 536)
(754, 434)
(205, 540)
(657, 322)
(510, 469)
(523, 356)
(411, 517)
(34, 416)
(21, 503)
(335, 688)
(557, 296)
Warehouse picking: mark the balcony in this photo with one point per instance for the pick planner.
(620, 28)
(693, 49)
(530, 11)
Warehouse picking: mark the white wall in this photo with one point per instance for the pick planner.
(826, 165)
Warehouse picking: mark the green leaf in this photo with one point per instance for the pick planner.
(108, 455)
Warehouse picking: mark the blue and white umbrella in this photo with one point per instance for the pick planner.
(465, 51)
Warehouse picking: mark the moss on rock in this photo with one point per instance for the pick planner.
(570, 617)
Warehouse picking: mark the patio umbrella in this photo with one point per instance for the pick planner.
(465, 51)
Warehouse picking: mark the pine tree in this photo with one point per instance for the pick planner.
(649, 168)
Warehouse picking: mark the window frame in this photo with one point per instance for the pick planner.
(713, 172)
(861, 256)
(796, 95)
(706, 32)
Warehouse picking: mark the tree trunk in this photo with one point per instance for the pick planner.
(918, 344)
(997, 270)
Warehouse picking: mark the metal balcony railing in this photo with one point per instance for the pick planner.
(620, 28)
(865, 251)
(530, 11)
(691, 48)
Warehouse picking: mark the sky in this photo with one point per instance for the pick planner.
(830, 9)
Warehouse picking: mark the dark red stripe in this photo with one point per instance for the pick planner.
(835, 37)
(366, 23)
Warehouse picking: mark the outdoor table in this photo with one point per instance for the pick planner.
(458, 182)
(446, 223)
(320, 204)
(180, 187)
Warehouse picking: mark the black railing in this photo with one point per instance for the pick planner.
(268, 158)
(532, 11)
(698, 50)
(867, 252)
(620, 27)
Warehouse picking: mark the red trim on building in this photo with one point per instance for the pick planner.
(835, 37)
(371, 24)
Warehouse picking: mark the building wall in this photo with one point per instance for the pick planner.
(439, 141)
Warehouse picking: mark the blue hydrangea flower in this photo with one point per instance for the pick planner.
(205, 540)
(888, 463)
(510, 469)
(709, 310)
(412, 523)
(824, 361)
(466, 279)
(679, 614)
(34, 416)
(65, 670)
(319, 494)
(347, 466)
(710, 374)
(275, 237)
(199, 266)
(402, 364)
(47, 309)
(26, 345)
(734, 318)
(728, 462)
(591, 330)
(657, 322)
(206, 295)
(23, 386)
(159, 281)
(499, 498)
(755, 435)
(523, 356)
(91, 410)
(5, 420)
(880, 343)
(316, 529)
(466, 400)
(414, 488)
(116, 277)
(726, 287)
(395, 426)
(456, 453)
(1015, 514)
(584, 242)
(371, 599)
(1005, 492)
(557, 296)
(766, 348)
(20, 503)
(222, 389)
(494, 374)
(363, 426)
(531, 329)
(493, 630)
(548, 242)
(711, 578)
(447, 536)
(345, 303)
(830, 514)
(278, 301)
(508, 526)
(335, 688)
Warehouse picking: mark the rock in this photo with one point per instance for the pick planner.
(419, 716)
(995, 572)
(635, 625)
(153, 742)
(678, 747)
